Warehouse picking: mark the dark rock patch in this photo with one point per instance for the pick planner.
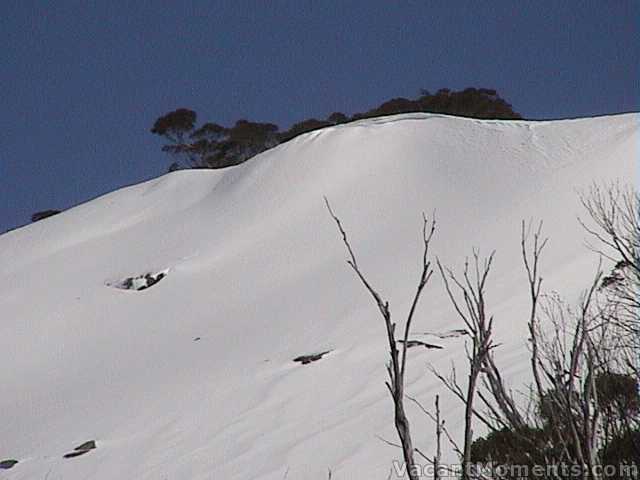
(82, 449)
(90, 445)
(7, 464)
(36, 217)
(76, 454)
(418, 343)
(306, 359)
(459, 332)
(141, 282)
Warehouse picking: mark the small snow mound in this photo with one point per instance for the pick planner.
(141, 282)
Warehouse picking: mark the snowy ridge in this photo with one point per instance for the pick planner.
(193, 378)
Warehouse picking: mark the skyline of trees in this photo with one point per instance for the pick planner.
(212, 145)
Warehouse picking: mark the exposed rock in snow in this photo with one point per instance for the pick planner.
(86, 447)
(313, 357)
(7, 464)
(141, 282)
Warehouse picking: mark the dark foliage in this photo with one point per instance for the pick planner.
(212, 145)
(623, 449)
(215, 146)
(507, 447)
(43, 214)
(618, 394)
(174, 167)
(304, 127)
(619, 405)
(175, 125)
(337, 118)
(471, 102)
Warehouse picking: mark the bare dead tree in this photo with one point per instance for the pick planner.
(501, 410)
(569, 361)
(615, 211)
(564, 366)
(531, 264)
(436, 462)
(437, 459)
(396, 366)
(470, 306)
(570, 350)
(499, 402)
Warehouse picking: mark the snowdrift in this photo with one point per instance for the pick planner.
(242, 270)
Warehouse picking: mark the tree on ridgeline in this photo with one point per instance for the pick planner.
(214, 146)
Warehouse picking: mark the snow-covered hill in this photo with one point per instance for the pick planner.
(193, 378)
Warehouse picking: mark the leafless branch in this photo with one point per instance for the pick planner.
(396, 367)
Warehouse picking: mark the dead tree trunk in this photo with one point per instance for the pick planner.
(479, 328)
(397, 358)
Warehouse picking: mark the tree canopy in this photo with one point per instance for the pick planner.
(212, 145)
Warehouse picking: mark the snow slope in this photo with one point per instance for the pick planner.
(193, 378)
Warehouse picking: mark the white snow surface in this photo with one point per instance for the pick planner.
(257, 271)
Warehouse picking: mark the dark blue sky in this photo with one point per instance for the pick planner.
(82, 82)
